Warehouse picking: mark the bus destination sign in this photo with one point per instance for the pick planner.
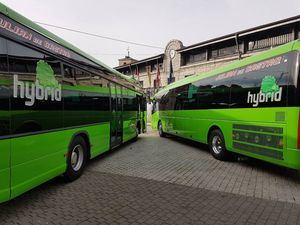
(15, 30)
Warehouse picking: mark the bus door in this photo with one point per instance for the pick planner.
(117, 120)
(144, 115)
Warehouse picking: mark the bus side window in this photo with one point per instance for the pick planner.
(154, 106)
(23, 60)
(82, 77)
(4, 90)
(246, 88)
(68, 75)
(29, 66)
(211, 94)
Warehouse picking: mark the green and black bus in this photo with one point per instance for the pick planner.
(59, 106)
(250, 107)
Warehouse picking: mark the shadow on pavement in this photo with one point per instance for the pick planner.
(248, 162)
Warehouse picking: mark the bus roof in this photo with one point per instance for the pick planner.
(28, 23)
(234, 65)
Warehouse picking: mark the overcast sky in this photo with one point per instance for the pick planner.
(153, 22)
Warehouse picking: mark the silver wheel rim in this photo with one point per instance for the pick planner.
(77, 157)
(160, 129)
(217, 144)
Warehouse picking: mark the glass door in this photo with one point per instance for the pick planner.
(117, 120)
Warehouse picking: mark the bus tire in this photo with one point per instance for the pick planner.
(76, 159)
(160, 130)
(136, 134)
(216, 143)
(138, 127)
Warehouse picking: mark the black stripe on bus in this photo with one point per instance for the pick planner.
(49, 131)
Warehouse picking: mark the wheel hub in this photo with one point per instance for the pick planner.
(217, 144)
(77, 157)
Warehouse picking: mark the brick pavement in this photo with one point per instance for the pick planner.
(104, 198)
(184, 162)
(163, 181)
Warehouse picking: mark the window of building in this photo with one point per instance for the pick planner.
(155, 83)
(191, 58)
(142, 69)
(170, 80)
(269, 42)
(141, 83)
(225, 51)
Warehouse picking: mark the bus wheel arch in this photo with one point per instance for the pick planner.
(78, 154)
(86, 138)
(158, 122)
(138, 127)
(160, 129)
(211, 129)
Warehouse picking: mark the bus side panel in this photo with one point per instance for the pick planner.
(5, 123)
(129, 125)
(4, 170)
(195, 124)
(164, 118)
(144, 121)
(130, 114)
(38, 158)
(99, 138)
(266, 125)
(273, 132)
(154, 120)
(292, 154)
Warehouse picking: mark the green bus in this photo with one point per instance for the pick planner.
(59, 107)
(250, 107)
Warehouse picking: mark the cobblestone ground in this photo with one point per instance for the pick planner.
(183, 162)
(163, 181)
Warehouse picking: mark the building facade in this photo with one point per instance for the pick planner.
(181, 61)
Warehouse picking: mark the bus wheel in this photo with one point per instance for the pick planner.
(136, 134)
(217, 147)
(160, 130)
(138, 128)
(77, 157)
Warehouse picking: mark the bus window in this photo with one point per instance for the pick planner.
(256, 87)
(4, 90)
(154, 106)
(32, 110)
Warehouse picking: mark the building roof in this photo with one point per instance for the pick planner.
(231, 36)
(141, 61)
(263, 27)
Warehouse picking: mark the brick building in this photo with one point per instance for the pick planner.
(207, 55)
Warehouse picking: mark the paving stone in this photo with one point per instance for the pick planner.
(163, 181)
(188, 163)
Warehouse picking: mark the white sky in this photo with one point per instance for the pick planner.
(153, 22)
